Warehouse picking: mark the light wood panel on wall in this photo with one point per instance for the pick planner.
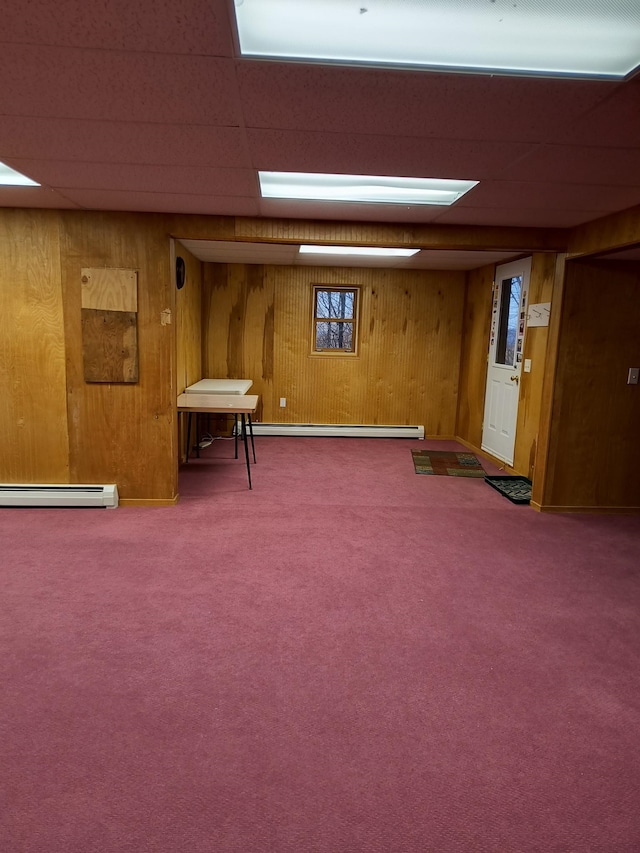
(238, 323)
(531, 384)
(594, 453)
(475, 347)
(33, 416)
(188, 320)
(258, 326)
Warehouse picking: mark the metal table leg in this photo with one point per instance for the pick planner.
(186, 458)
(253, 447)
(246, 447)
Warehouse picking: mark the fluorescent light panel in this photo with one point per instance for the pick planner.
(358, 250)
(10, 178)
(365, 189)
(586, 38)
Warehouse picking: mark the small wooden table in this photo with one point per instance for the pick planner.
(215, 404)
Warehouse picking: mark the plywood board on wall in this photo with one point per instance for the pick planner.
(109, 289)
(109, 299)
(109, 346)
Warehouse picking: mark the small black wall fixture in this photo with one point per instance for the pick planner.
(180, 273)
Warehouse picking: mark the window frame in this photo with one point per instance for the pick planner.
(334, 352)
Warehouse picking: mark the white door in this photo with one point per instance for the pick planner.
(510, 293)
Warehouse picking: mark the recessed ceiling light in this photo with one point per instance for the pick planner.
(550, 37)
(10, 178)
(366, 189)
(358, 250)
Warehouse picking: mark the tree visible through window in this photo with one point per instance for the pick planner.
(334, 318)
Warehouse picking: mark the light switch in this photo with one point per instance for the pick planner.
(632, 378)
(527, 365)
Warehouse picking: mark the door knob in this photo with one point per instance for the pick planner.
(515, 379)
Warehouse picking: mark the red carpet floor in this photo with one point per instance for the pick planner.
(350, 658)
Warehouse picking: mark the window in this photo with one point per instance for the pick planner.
(510, 298)
(334, 319)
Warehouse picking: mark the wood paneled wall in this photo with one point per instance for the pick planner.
(33, 413)
(123, 434)
(475, 347)
(594, 452)
(188, 320)
(257, 323)
(534, 348)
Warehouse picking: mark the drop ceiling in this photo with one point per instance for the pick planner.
(148, 107)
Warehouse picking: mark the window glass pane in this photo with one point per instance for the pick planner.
(348, 304)
(323, 302)
(508, 323)
(334, 336)
(335, 304)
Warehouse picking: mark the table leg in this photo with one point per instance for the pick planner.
(253, 447)
(235, 433)
(246, 448)
(186, 458)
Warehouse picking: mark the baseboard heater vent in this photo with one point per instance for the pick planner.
(21, 494)
(344, 430)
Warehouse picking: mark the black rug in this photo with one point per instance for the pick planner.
(516, 489)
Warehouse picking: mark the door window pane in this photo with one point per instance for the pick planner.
(510, 298)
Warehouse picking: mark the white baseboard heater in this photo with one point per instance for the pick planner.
(343, 430)
(33, 495)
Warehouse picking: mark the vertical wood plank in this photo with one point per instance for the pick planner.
(33, 417)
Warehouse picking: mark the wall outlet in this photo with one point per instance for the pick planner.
(632, 377)
(283, 402)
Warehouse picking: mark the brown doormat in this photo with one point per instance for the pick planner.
(447, 463)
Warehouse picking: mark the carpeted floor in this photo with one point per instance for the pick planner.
(347, 658)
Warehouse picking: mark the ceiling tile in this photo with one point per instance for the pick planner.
(188, 180)
(377, 154)
(574, 164)
(517, 217)
(511, 195)
(36, 197)
(464, 106)
(167, 26)
(119, 87)
(615, 121)
(161, 202)
(123, 142)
